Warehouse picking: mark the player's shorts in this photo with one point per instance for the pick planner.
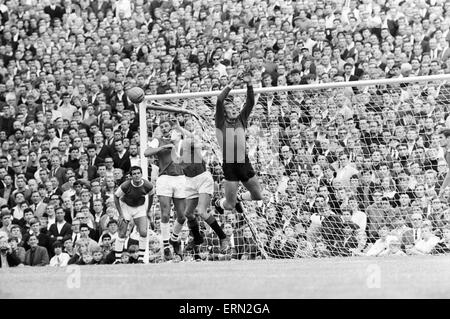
(171, 186)
(130, 213)
(200, 184)
(238, 172)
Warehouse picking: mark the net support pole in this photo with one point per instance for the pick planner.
(143, 137)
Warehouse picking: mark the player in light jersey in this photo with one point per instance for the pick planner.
(231, 124)
(134, 200)
(170, 186)
(199, 187)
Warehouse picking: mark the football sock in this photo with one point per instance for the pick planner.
(142, 244)
(194, 227)
(118, 248)
(176, 230)
(165, 234)
(212, 222)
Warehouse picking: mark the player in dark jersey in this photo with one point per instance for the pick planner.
(445, 144)
(231, 124)
(199, 188)
(170, 186)
(134, 200)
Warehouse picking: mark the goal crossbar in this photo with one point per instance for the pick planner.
(143, 132)
(304, 87)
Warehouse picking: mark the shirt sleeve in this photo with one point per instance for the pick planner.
(249, 103)
(148, 187)
(154, 143)
(119, 191)
(220, 110)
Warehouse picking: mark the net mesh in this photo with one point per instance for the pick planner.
(344, 170)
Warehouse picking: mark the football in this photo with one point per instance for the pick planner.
(136, 95)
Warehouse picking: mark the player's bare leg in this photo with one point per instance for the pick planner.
(204, 201)
(191, 205)
(165, 203)
(253, 193)
(180, 207)
(229, 202)
(142, 227)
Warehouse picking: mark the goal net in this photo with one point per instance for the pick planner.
(346, 168)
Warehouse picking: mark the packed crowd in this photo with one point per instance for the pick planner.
(354, 171)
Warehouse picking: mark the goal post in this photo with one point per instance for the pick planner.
(369, 149)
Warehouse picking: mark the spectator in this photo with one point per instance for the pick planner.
(382, 243)
(81, 248)
(84, 235)
(394, 249)
(443, 246)
(60, 259)
(133, 250)
(98, 257)
(60, 231)
(426, 244)
(19, 251)
(8, 258)
(36, 255)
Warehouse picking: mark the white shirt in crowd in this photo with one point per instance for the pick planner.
(380, 246)
(426, 246)
(60, 260)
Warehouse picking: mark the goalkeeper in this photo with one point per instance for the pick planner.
(231, 124)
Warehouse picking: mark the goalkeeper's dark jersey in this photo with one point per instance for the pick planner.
(231, 133)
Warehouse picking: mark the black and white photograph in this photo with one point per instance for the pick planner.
(224, 154)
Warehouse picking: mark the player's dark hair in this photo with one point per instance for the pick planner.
(135, 168)
(166, 119)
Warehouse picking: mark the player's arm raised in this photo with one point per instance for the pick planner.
(183, 131)
(250, 100)
(154, 148)
(220, 110)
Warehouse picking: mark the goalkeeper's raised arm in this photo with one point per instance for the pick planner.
(227, 110)
(231, 125)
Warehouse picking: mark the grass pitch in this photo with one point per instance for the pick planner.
(390, 277)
